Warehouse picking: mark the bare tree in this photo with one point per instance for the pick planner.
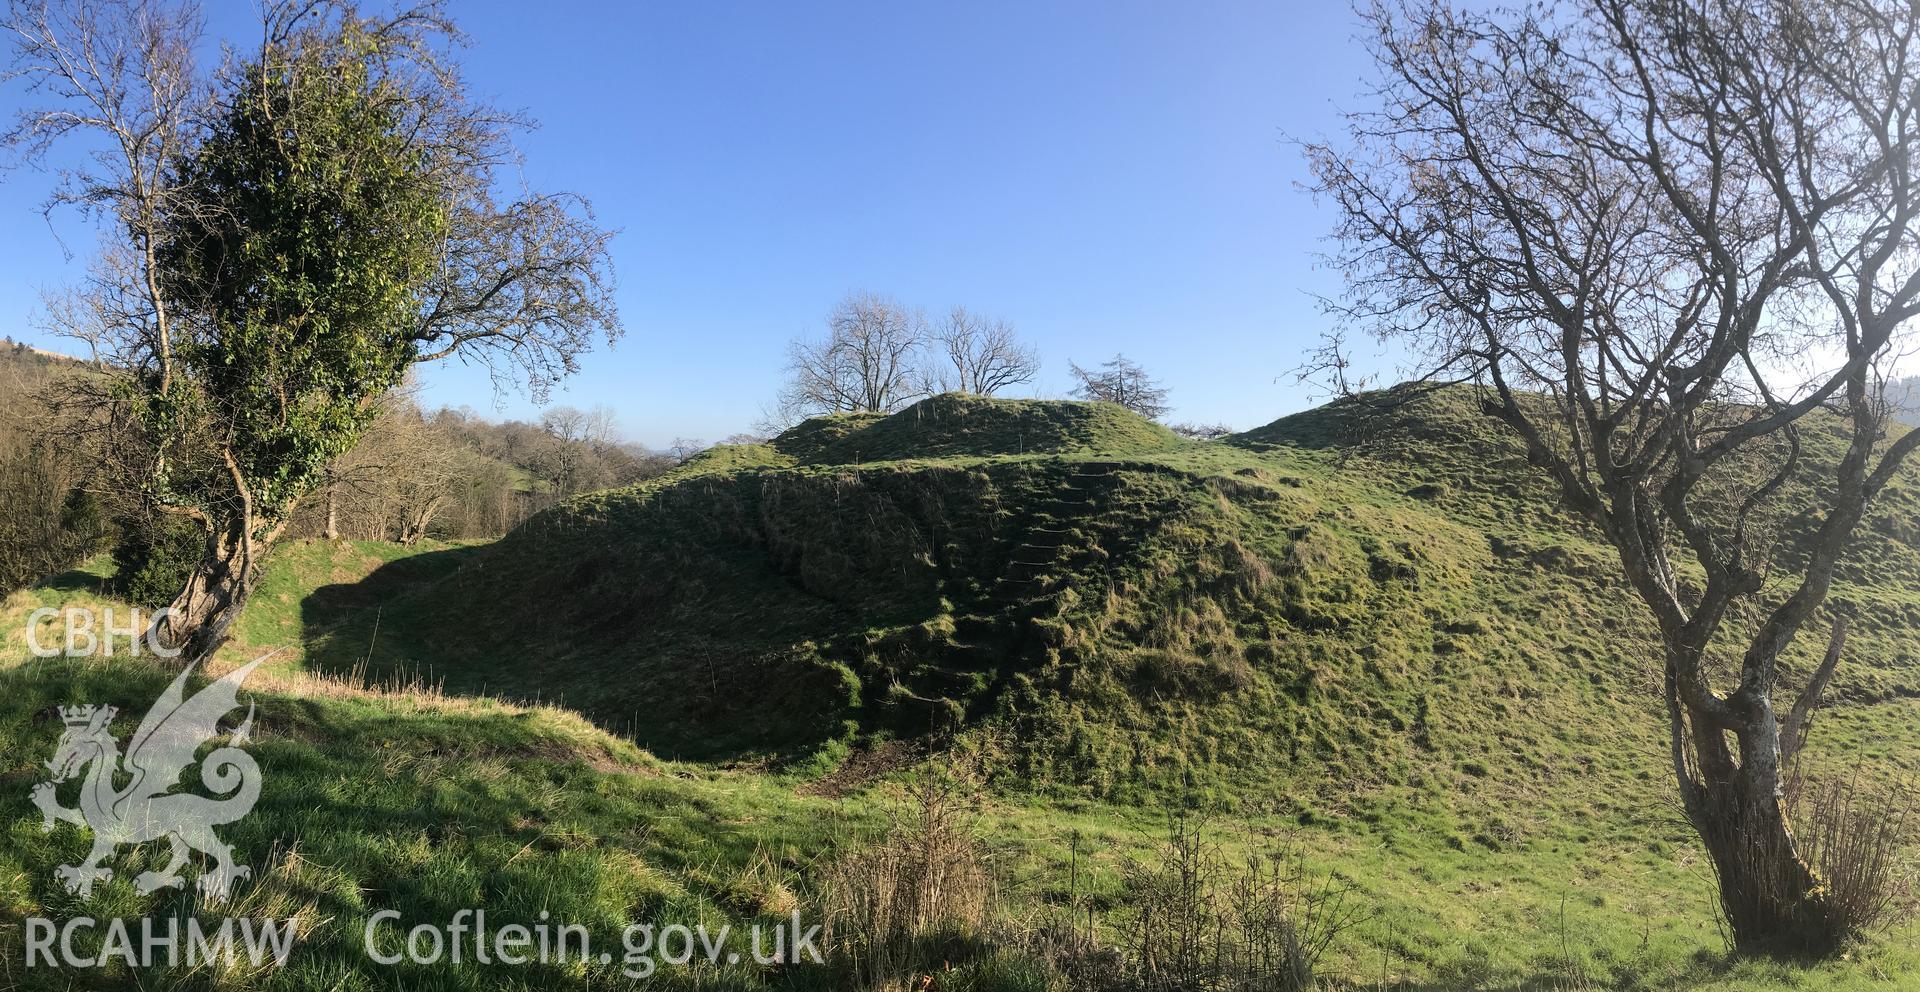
(982, 354)
(1662, 240)
(119, 74)
(601, 430)
(1201, 432)
(1121, 381)
(869, 361)
(428, 480)
(563, 462)
(564, 422)
(684, 448)
(404, 472)
(583, 451)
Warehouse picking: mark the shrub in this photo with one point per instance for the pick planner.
(1854, 841)
(47, 522)
(154, 558)
(1858, 841)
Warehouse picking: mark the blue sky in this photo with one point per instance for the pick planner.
(1110, 177)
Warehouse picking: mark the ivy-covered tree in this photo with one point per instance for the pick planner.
(327, 217)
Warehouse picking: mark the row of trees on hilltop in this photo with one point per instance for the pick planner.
(879, 356)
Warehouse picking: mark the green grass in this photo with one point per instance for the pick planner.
(957, 424)
(1373, 630)
(383, 801)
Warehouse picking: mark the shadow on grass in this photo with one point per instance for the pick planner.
(441, 619)
(75, 580)
(333, 604)
(365, 808)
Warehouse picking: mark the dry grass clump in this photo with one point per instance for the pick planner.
(1255, 922)
(915, 907)
(916, 898)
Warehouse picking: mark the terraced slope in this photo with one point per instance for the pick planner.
(1353, 595)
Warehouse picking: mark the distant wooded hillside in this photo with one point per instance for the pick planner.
(450, 474)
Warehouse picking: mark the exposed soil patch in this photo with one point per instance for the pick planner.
(863, 767)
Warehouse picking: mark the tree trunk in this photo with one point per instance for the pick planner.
(1772, 900)
(415, 524)
(333, 516)
(201, 618)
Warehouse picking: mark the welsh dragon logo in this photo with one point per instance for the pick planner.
(144, 809)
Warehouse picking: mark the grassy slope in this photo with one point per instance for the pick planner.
(1381, 630)
(1215, 619)
(406, 800)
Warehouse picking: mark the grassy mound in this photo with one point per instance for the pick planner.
(958, 425)
(1362, 601)
(806, 440)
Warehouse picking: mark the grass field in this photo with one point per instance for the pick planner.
(1370, 635)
